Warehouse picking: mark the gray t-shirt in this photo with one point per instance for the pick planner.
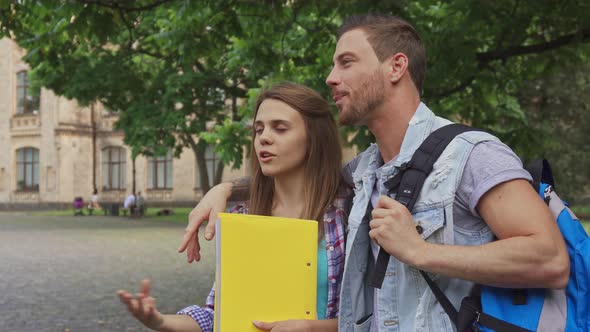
(489, 164)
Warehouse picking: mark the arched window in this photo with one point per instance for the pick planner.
(113, 168)
(27, 169)
(160, 172)
(27, 99)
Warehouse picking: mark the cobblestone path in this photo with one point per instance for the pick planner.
(61, 273)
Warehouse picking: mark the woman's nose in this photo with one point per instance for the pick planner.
(265, 137)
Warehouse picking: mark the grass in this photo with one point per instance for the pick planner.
(583, 212)
(180, 214)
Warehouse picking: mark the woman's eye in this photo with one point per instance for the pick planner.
(258, 131)
(281, 129)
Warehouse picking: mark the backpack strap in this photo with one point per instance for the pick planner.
(470, 314)
(408, 183)
(541, 172)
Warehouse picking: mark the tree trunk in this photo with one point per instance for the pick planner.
(93, 124)
(133, 174)
(218, 172)
(199, 150)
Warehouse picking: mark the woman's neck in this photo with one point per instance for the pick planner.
(288, 199)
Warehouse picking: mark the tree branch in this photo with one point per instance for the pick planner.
(502, 54)
(154, 54)
(485, 57)
(116, 5)
(460, 87)
(129, 28)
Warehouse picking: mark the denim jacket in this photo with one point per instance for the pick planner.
(405, 302)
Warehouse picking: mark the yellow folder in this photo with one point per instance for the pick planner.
(266, 270)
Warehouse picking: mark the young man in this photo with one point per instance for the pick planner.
(478, 190)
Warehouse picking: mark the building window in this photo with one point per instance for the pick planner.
(211, 160)
(27, 169)
(27, 97)
(160, 172)
(113, 168)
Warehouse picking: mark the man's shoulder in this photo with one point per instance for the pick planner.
(365, 155)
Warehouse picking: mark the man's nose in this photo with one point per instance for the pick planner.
(333, 79)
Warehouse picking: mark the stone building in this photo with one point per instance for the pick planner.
(51, 150)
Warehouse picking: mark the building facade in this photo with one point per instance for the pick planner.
(53, 150)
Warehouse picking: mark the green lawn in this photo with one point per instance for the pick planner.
(583, 212)
(180, 214)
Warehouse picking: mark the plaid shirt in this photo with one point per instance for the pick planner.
(334, 230)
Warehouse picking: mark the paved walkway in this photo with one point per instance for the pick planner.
(61, 273)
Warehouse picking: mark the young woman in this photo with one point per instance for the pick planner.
(296, 161)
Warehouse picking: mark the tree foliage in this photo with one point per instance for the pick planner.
(172, 67)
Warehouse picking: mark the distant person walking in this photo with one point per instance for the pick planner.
(93, 204)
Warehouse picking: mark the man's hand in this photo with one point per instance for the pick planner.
(284, 326)
(394, 230)
(142, 306)
(210, 205)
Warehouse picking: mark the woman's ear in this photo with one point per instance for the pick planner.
(397, 67)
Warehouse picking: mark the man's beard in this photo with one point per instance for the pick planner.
(369, 96)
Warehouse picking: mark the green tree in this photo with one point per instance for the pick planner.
(168, 65)
(161, 64)
(559, 109)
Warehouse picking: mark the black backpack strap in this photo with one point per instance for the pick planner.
(410, 179)
(470, 314)
(541, 172)
(442, 298)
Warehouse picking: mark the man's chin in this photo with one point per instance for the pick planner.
(346, 118)
(347, 121)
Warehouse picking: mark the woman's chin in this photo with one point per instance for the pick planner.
(268, 172)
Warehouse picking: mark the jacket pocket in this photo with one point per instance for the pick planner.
(430, 225)
(364, 324)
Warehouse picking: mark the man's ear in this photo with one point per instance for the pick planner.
(397, 67)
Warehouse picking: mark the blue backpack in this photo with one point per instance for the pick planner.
(503, 309)
(548, 309)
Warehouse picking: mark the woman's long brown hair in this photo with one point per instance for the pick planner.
(323, 158)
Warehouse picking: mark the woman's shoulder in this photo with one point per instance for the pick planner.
(340, 205)
(342, 197)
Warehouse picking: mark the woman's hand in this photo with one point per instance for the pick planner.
(285, 325)
(142, 306)
(212, 203)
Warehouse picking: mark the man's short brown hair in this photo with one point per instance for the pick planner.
(389, 35)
